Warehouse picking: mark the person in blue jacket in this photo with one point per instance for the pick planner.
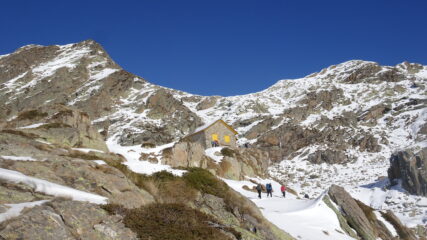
(269, 189)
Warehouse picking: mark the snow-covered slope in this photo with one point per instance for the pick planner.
(337, 126)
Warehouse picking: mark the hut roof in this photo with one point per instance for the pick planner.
(208, 125)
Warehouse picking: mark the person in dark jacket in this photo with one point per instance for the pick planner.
(259, 189)
(269, 189)
(283, 189)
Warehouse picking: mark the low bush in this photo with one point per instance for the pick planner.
(20, 133)
(82, 155)
(171, 222)
(163, 176)
(54, 125)
(31, 114)
(205, 182)
(228, 152)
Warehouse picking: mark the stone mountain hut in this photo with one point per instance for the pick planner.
(217, 131)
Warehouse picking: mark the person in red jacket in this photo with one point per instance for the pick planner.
(283, 189)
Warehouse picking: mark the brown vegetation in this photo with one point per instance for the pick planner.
(228, 152)
(172, 221)
(31, 114)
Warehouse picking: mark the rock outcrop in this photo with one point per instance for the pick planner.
(71, 168)
(411, 169)
(63, 219)
(236, 163)
(60, 125)
(356, 217)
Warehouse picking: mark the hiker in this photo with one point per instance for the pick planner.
(259, 189)
(269, 189)
(246, 145)
(283, 189)
(216, 143)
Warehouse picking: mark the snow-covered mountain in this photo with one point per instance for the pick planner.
(338, 126)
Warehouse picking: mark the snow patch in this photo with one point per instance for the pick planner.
(49, 188)
(15, 158)
(133, 155)
(100, 162)
(213, 153)
(87, 150)
(32, 126)
(15, 209)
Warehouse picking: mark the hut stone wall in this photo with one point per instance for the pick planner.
(201, 138)
(222, 132)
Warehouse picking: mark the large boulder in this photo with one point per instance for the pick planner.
(186, 154)
(411, 169)
(355, 216)
(70, 220)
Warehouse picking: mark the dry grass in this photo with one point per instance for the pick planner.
(31, 114)
(20, 133)
(228, 152)
(53, 125)
(171, 222)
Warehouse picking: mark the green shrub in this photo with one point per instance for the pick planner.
(205, 182)
(20, 133)
(31, 114)
(163, 176)
(228, 152)
(171, 222)
(82, 155)
(54, 125)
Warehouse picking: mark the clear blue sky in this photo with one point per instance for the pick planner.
(216, 47)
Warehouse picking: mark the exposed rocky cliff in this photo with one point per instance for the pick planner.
(411, 170)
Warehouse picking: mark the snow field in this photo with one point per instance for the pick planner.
(302, 218)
